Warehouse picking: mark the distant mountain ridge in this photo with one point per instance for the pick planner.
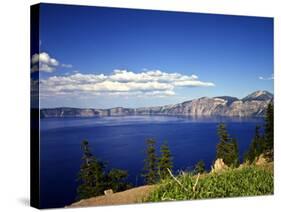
(253, 105)
(259, 95)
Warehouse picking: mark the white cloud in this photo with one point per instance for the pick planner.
(154, 75)
(121, 82)
(66, 65)
(267, 78)
(43, 62)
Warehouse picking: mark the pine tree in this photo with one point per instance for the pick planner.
(91, 175)
(150, 167)
(259, 140)
(235, 153)
(223, 138)
(85, 188)
(262, 144)
(117, 180)
(165, 161)
(222, 145)
(257, 146)
(227, 148)
(199, 167)
(93, 178)
(268, 131)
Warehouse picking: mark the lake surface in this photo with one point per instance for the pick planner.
(120, 142)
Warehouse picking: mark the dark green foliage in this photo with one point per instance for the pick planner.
(150, 163)
(227, 148)
(91, 174)
(165, 161)
(268, 130)
(199, 167)
(235, 153)
(117, 180)
(222, 145)
(262, 144)
(247, 181)
(87, 155)
(257, 147)
(93, 178)
(222, 132)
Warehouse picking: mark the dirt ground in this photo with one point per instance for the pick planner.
(130, 196)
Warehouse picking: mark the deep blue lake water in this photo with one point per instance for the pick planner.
(120, 141)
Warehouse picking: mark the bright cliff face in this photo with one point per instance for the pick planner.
(253, 105)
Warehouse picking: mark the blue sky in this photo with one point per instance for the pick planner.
(105, 57)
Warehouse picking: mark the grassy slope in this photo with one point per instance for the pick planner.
(243, 181)
(246, 181)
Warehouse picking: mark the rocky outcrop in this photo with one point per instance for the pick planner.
(108, 192)
(261, 160)
(219, 166)
(252, 105)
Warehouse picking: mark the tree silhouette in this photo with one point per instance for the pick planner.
(150, 163)
(165, 161)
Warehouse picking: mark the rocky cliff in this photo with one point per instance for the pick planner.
(252, 105)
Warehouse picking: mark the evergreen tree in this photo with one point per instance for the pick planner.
(235, 153)
(259, 140)
(257, 146)
(262, 144)
(93, 178)
(227, 148)
(165, 161)
(268, 131)
(223, 139)
(91, 175)
(150, 167)
(199, 167)
(117, 180)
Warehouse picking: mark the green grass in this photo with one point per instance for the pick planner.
(246, 181)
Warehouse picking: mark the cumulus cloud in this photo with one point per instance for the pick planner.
(267, 78)
(120, 82)
(43, 62)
